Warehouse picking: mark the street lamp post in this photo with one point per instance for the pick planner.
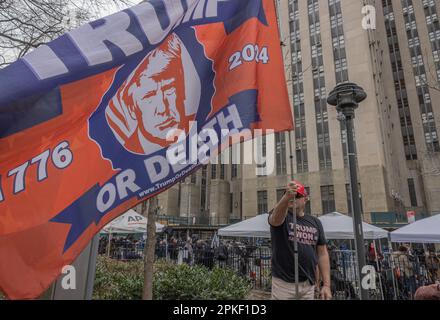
(346, 97)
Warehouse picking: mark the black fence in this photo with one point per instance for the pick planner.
(396, 277)
(411, 271)
(191, 221)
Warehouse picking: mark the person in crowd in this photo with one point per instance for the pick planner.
(103, 242)
(371, 255)
(162, 249)
(188, 252)
(222, 253)
(173, 248)
(405, 270)
(208, 255)
(312, 249)
(433, 267)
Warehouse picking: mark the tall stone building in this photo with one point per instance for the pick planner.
(389, 47)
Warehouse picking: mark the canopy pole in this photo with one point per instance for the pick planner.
(390, 249)
(378, 270)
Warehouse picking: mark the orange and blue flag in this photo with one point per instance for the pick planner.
(85, 120)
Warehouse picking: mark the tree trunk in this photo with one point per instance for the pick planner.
(149, 250)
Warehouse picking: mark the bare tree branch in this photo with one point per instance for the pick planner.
(433, 81)
(27, 24)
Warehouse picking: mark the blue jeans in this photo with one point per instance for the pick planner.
(410, 284)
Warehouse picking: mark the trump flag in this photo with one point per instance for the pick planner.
(99, 119)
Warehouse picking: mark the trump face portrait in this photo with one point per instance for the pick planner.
(161, 95)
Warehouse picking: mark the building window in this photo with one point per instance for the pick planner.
(280, 150)
(213, 171)
(261, 155)
(301, 137)
(204, 174)
(203, 199)
(280, 194)
(262, 202)
(319, 87)
(328, 199)
(203, 189)
(399, 81)
(241, 205)
(231, 203)
(412, 192)
(431, 137)
(179, 196)
(222, 172)
(234, 171)
(308, 208)
(298, 86)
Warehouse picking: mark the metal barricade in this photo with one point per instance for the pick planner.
(397, 275)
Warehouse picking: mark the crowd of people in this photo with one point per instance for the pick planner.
(400, 273)
(207, 252)
(249, 259)
(412, 269)
(328, 268)
(121, 247)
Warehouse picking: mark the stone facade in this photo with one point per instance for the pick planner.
(383, 166)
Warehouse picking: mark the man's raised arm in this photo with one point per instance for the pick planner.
(279, 213)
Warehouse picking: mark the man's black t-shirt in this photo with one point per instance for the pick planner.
(310, 233)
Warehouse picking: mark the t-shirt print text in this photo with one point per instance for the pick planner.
(305, 234)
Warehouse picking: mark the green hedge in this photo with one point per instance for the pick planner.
(124, 280)
(118, 280)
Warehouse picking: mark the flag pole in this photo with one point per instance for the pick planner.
(294, 220)
(292, 175)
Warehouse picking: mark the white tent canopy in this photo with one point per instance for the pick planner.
(423, 231)
(340, 226)
(130, 222)
(257, 227)
(336, 226)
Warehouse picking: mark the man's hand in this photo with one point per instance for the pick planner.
(291, 190)
(326, 293)
(279, 213)
(324, 271)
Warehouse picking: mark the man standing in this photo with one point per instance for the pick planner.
(312, 249)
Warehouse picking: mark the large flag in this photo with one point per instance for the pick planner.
(86, 120)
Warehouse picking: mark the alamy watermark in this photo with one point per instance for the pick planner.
(369, 17)
(68, 280)
(251, 147)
